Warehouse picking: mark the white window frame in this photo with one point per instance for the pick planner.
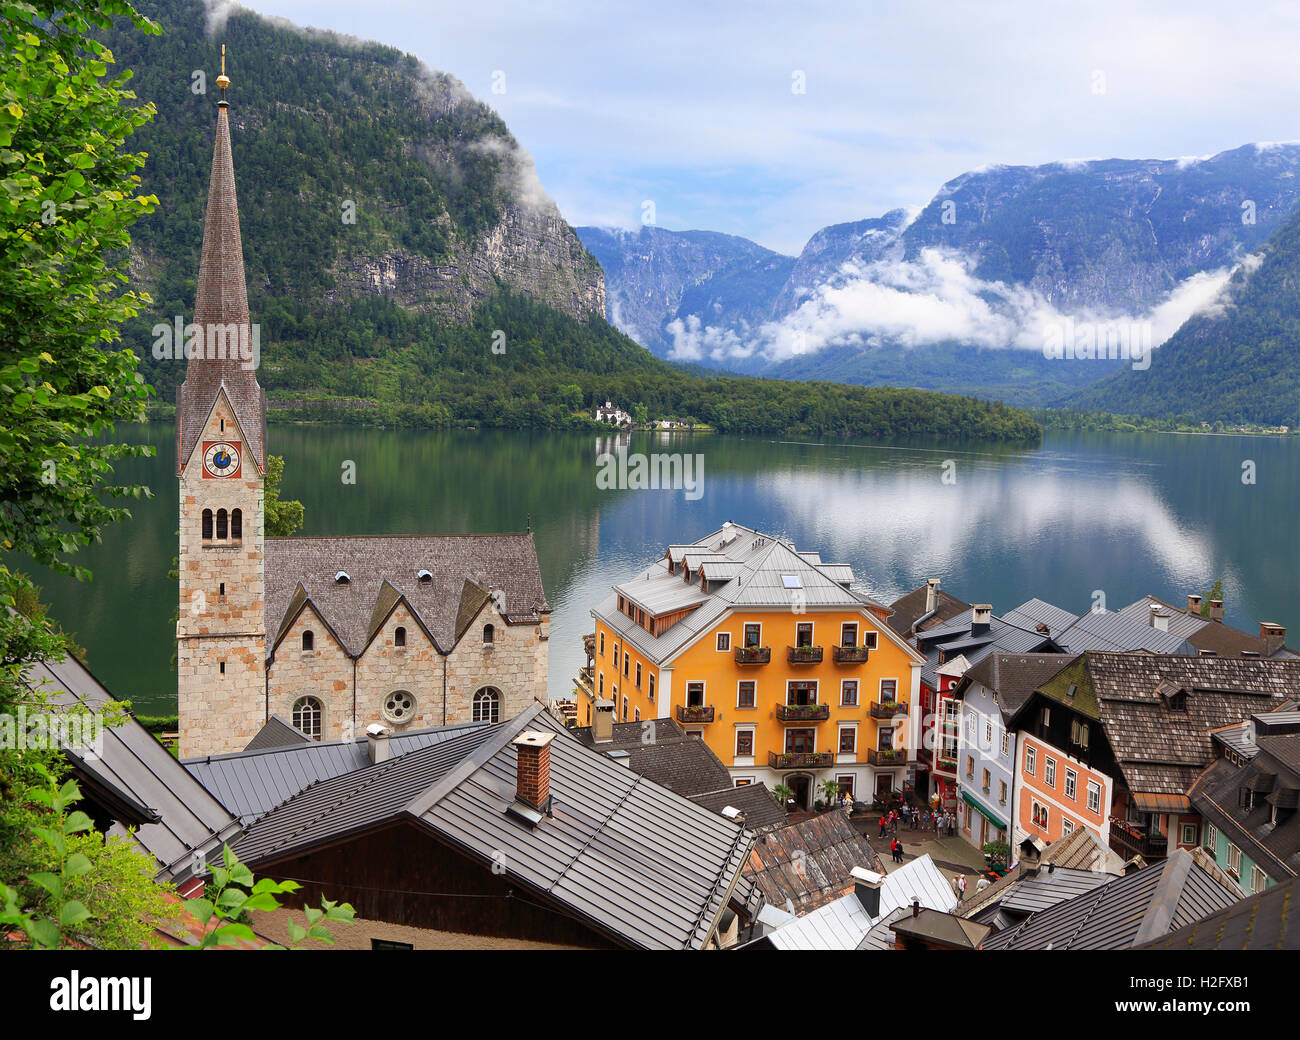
(1258, 880)
(704, 693)
(857, 630)
(1031, 760)
(841, 730)
(1071, 784)
(857, 697)
(1006, 744)
(1049, 771)
(753, 741)
(720, 636)
(751, 624)
(1067, 826)
(871, 640)
(1234, 859)
(1094, 797)
(1210, 839)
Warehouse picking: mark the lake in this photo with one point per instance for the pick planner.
(1119, 514)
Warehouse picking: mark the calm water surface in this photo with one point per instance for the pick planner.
(1124, 514)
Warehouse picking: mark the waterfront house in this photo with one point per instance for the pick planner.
(1115, 741)
(1248, 799)
(791, 676)
(1207, 632)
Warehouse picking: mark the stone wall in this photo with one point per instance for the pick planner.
(222, 592)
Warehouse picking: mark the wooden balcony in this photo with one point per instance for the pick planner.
(800, 759)
(888, 709)
(803, 712)
(694, 715)
(890, 757)
(850, 654)
(753, 654)
(804, 654)
(1128, 841)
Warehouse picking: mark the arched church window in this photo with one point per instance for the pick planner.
(308, 715)
(487, 705)
(399, 636)
(489, 634)
(236, 524)
(222, 525)
(309, 641)
(207, 525)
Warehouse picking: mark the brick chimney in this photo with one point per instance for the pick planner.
(1216, 610)
(533, 753)
(1273, 636)
(1193, 604)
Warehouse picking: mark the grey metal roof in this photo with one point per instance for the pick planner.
(843, 923)
(954, 637)
(1107, 630)
(277, 733)
(1124, 912)
(1264, 921)
(137, 764)
(1050, 887)
(253, 782)
(751, 566)
(1181, 623)
(1238, 738)
(637, 862)
(1034, 612)
(881, 935)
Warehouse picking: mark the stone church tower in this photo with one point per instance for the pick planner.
(221, 463)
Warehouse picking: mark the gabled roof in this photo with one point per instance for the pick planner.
(843, 924)
(1267, 920)
(144, 775)
(759, 572)
(1123, 913)
(804, 865)
(909, 608)
(1078, 851)
(1014, 677)
(252, 782)
(642, 865)
(762, 812)
(1161, 750)
(277, 733)
(1201, 632)
(385, 569)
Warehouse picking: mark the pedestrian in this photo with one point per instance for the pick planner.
(961, 887)
(955, 890)
(893, 823)
(884, 824)
(898, 851)
(952, 824)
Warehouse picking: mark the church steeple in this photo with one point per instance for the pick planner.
(227, 357)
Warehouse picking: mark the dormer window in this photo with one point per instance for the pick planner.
(425, 578)
(342, 578)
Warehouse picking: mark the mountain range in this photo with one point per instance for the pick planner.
(962, 294)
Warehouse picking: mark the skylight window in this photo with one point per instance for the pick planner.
(791, 581)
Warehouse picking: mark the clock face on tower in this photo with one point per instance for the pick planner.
(220, 459)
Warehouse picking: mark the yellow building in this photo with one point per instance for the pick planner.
(768, 654)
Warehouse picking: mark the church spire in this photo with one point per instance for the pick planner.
(229, 353)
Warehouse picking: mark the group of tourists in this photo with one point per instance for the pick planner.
(942, 823)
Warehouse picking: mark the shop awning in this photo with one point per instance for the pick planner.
(988, 814)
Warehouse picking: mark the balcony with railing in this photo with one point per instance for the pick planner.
(803, 712)
(1131, 839)
(800, 759)
(888, 709)
(585, 681)
(753, 654)
(804, 654)
(694, 713)
(850, 654)
(887, 756)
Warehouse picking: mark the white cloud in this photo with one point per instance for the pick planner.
(933, 299)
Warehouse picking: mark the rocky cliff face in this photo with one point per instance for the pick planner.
(360, 173)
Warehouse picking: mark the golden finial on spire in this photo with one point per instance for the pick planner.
(223, 81)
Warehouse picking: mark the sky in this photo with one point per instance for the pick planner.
(771, 120)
